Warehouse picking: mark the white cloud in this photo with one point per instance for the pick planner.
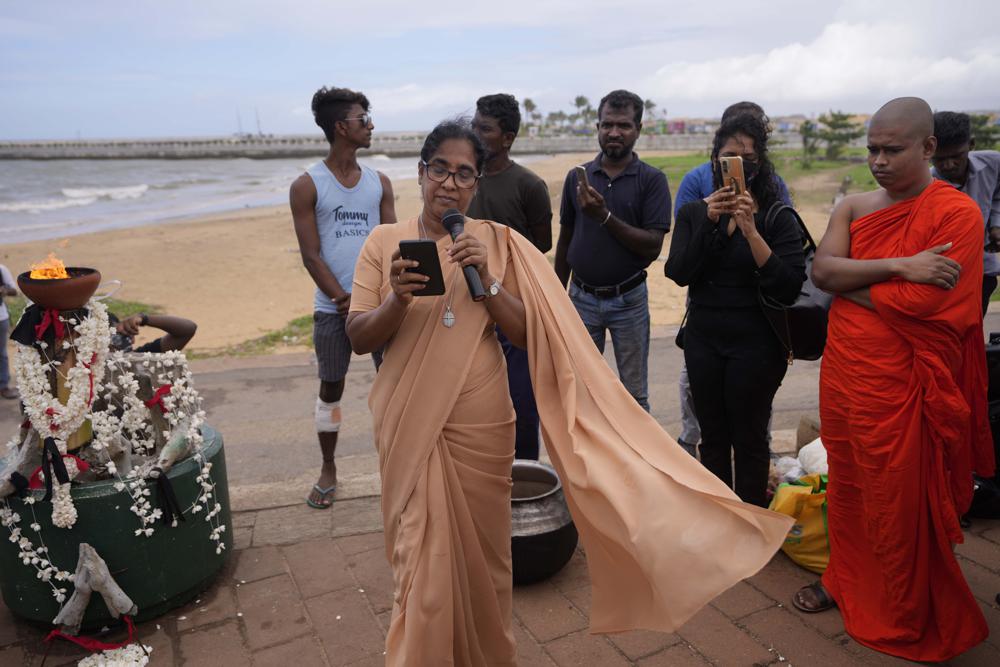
(846, 65)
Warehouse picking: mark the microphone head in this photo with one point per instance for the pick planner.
(453, 221)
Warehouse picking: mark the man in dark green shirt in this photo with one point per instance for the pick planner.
(514, 196)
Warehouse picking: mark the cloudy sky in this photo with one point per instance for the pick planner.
(193, 67)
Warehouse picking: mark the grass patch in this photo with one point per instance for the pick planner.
(297, 333)
(123, 309)
(787, 162)
(676, 166)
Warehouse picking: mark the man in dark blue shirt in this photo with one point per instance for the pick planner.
(611, 229)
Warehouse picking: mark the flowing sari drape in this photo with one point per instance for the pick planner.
(662, 535)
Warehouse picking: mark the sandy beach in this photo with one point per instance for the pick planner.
(239, 275)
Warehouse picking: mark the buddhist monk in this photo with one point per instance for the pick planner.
(902, 398)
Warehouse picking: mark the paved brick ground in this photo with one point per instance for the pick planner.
(324, 599)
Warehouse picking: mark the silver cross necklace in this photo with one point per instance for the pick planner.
(448, 318)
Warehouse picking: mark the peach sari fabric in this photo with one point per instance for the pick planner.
(662, 535)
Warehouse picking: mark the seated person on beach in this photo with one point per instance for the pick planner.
(6, 289)
(179, 332)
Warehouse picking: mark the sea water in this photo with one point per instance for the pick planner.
(51, 199)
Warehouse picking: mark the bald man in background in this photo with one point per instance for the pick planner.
(902, 398)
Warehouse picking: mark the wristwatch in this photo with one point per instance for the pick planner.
(493, 289)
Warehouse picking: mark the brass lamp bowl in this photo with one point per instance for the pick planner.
(61, 293)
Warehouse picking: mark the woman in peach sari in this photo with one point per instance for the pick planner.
(444, 429)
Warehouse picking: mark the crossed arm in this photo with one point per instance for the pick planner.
(835, 271)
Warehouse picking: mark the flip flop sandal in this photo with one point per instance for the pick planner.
(823, 598)
(323, 493)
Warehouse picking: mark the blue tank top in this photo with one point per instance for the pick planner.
(344, 217)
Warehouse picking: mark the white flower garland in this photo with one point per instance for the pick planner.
(126, 656)
(47, 413)
(30, 555)
(124, 415)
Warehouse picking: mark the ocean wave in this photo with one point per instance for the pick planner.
(126, 192)
(186, 182)
(47, 205)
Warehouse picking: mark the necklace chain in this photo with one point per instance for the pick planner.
(448, 317)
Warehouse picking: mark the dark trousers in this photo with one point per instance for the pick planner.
(523, 397)
(735, 365)
(989, 285)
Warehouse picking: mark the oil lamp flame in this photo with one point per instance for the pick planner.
(48, 269)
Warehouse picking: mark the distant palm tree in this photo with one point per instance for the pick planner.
(529, 106)
(650, 106)
(582, 105)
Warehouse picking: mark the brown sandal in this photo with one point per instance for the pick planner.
(823, 599)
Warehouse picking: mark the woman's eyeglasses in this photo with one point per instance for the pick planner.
(464, 178)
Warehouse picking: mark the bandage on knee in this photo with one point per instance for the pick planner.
(327, 416)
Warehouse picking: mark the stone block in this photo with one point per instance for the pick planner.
(221, 646)
(374, 576)
(715, 637)
(741, 600)
(679, 655)
(272, 611)
(216, 604)
(786, 633)
(258, 563)
(545, 613)
(346, 626)
(304, 651)
(318, 566)
(583, 648)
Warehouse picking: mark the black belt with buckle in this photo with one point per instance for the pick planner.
(611, 290)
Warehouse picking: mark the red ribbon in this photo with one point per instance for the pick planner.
(157, 399)
(90, 377)
(53, 426)
(35, 481)
(50, 318)
(94, 645)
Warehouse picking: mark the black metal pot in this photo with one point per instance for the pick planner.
(543, 536)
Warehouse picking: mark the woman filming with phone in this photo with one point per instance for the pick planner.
(730, 254)
(444, 431)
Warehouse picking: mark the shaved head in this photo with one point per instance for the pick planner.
(911, 115)
(900, 145)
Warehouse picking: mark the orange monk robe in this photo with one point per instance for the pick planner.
(663, 536)
(903, 413)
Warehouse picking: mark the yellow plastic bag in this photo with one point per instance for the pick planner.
(807, 543)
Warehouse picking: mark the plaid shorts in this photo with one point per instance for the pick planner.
(333, 348)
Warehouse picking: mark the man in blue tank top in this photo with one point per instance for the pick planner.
(335, 204)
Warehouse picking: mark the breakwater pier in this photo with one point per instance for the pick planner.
(294, 146)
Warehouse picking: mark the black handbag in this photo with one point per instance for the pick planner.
(801, 326)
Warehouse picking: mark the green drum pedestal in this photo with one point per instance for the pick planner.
(158, 572)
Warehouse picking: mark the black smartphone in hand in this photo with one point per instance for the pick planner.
(424, 251)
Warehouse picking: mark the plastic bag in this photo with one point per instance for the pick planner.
(808, 542)
(812, 458)
(788, 469)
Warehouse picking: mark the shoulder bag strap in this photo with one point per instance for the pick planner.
(773, 310)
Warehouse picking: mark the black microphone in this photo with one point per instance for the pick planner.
(454, 222)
